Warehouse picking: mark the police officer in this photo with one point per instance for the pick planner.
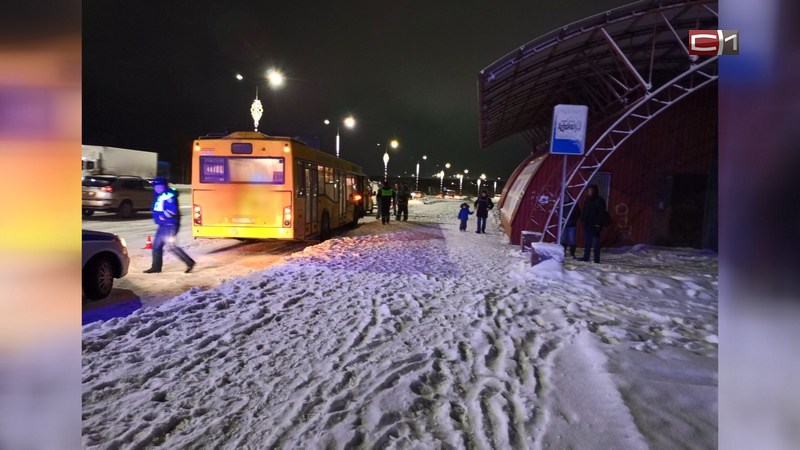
(167, 216)
(386, 197)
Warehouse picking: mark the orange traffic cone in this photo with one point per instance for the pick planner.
(148, 244)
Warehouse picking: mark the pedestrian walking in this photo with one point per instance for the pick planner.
(482, 206)
(385, 199)
(403, 195)
(167, 215)
(568, 239)
(594, 216)
(463, 216)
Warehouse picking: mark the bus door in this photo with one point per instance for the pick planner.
(312, 200)
(342, 197)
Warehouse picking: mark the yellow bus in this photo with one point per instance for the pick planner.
(248, 185)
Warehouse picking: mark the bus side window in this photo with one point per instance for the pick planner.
(321, 180)
(330, 184)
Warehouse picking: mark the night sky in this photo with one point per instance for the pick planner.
(157, 74)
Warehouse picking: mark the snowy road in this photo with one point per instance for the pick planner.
(218, 260)
(415, 335)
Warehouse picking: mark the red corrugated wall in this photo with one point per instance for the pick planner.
(680, 141)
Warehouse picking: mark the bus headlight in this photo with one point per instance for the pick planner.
(198, 215)
(287, 216)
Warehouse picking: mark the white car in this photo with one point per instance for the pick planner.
(105, 257)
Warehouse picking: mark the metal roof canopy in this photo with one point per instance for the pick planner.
(607, 61)
(628, 65)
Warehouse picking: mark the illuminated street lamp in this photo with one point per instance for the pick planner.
(275, 79)
(441, 181)
(349, 122)
(460, 182)
(386, 166)
(447, 165)
(423, 158)
(394, 143)
(480, 179)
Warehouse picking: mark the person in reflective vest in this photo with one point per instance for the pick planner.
(167, 215)
(385, 198)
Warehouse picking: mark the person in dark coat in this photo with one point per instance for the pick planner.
(403, 195)
(592, 217)
(482, 206)
(463, 216)
(167, 215)
(385, 199)
(571, 225)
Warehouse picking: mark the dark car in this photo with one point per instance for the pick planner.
(123, 195)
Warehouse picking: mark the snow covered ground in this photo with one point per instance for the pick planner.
(416, 335)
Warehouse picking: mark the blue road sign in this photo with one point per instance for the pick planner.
(569, 129)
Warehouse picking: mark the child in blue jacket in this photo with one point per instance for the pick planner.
(463, 215)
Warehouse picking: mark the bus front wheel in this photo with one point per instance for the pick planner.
(325, 227)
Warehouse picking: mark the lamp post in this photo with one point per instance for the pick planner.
(386, 166)
(423, 158)
(441, 181)
(480, 179)
(460, 182)
(276, 79)
(349, 122)
(394, 143)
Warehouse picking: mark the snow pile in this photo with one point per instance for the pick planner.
(414, 335)
(548, 260)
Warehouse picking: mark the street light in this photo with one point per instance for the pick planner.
(481, 178)
(447, 165)
(386, 166)
(441, 181)
(394, 143)
(423, 158)
(349, 122)
(276, 80)
(275, 77)
(460, 182)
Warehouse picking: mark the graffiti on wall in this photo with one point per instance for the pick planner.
(623, 221)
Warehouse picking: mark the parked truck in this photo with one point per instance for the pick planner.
(102, 160)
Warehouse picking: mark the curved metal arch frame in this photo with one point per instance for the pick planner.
(626, 126)
(604, 83)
